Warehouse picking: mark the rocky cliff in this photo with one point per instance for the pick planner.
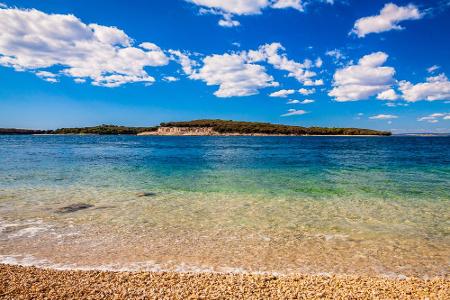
(199, 131)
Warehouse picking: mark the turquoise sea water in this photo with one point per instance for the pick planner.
(340, 205)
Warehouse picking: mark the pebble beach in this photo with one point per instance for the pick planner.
(17, 282)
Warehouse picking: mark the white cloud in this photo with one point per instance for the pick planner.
(294, 112)
(318, 63)
(390, 95)
(237, 7)
(434, 118)
(227, 21)
(389, 18)
(435, 88)
(187, 64)
(433, 68)
(306, 92)
(395, 104)
(295, 4)
(282, 93)
(336, 54)
(234, 75)
(306, 101)
(361, 81)
(47, 76)
(270, 53)
(240, 74)
(383, 117)
(33, 40)
(228, 9)
(310, 82)
(170, 78)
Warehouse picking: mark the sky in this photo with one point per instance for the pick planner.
(336, 63)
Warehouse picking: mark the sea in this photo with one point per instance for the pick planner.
(370, 206)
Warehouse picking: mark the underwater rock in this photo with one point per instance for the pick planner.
(73, 208)
(148, 194)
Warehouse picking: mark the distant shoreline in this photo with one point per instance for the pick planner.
(208, 128)
(255, 135)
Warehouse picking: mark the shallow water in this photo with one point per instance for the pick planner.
(340, 205)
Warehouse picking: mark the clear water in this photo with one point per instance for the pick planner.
(339, 205)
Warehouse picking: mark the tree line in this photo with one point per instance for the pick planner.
(224, 126)
(220, 126)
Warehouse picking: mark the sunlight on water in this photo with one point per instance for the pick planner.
(243, 204)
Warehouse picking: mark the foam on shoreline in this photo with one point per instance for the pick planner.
(183, 268)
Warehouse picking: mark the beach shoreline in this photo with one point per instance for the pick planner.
(34, 283)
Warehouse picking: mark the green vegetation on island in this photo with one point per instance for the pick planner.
(11, 131)
(105, 130)
(224, 127)
(219, 126)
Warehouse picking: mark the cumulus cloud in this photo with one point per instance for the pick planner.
(187, 64)
(319, 62)
(170, 78)
(294, 112)
(47, 76)
(234, 75)
(228, 9)
(282, 93)
(435, 118)
(33, 40)
(390, 95)
(306, 92)
(435, 88)
(272, 54)
(336, 54)
(310, 82)
(388, 19)
(227, 21)
(433, 68)
(361, 81)
(241, 73)
(295, 4)
(383, 117)
(237, 7)
(395, 104)
(306, 101)
(247, 7)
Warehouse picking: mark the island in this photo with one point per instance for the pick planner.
(208, 128)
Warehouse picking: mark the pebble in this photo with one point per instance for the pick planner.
(17, 282)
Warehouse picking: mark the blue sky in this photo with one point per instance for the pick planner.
(372, 64)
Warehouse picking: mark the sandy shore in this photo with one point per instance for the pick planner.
(18, 282)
